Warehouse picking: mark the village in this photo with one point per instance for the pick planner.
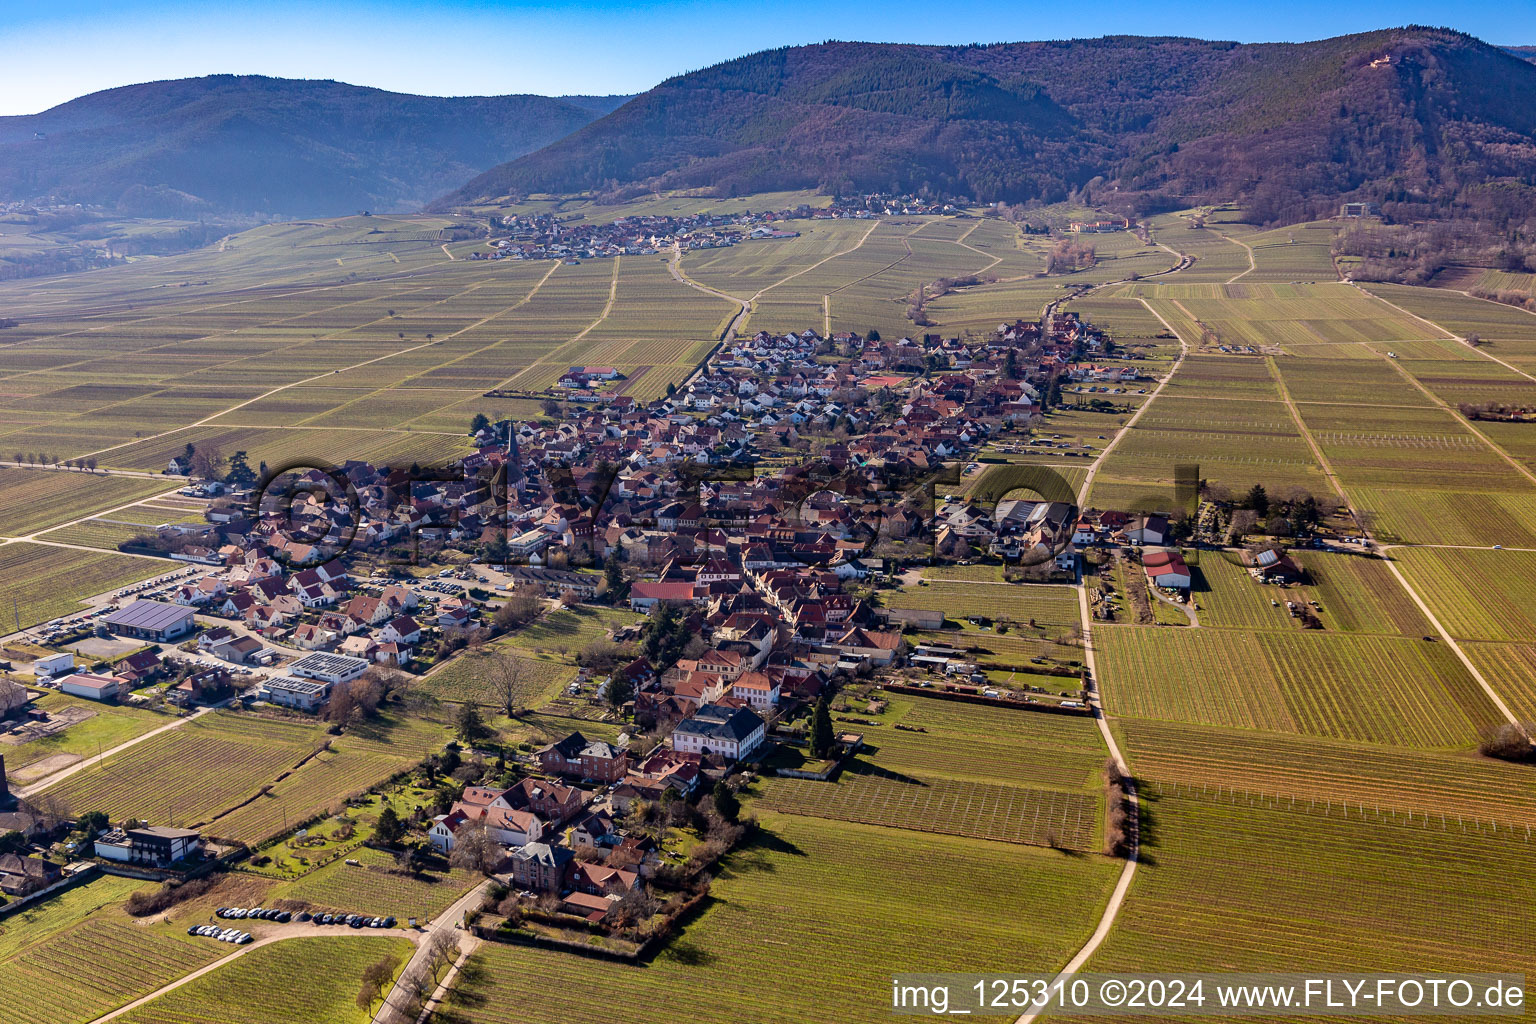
(762, 519)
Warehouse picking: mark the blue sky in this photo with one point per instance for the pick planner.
(54, 51)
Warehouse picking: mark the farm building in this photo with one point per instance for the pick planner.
(53, 664)
(92, 687)
(1274, 567)
(22, 876)
(1147, 530)
(918, 618)
(151, 620)
(1166, 569)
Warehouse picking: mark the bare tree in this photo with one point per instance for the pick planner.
(475, 849)
(507, 675)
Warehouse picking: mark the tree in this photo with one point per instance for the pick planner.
(239, 472)
(613, 575)
(92, 823)
(479, 423)
(208, 463)
(475, 849)
(619, 690)
(671, 390)
(522, 607)
(726, 802)
(1257, 500)
(506, 674)
(376, 976)
(550, 407)
(469, 725)
(822, 737)
(12, 842)
(390, 829)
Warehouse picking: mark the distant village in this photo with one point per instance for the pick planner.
(549, 237)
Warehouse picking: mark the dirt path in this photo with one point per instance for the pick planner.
(1093, 470)
(1128, 872)
(1252, 266)
(1454, 337)
(675, 268)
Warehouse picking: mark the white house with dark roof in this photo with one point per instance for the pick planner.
(732, 733)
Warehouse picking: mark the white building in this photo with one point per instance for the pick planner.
(301, 694)
(329, 668)
(733, 733)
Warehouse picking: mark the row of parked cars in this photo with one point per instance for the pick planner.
(353, 920)
(255, 913)
(213, 931)
(283, 917)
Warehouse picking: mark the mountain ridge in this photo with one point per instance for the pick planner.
(1411, 113)
(273, 147)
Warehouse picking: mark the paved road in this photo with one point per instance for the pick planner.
(445, 923)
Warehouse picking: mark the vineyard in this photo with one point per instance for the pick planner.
(75, 974)
(295, 981)
(1320, 888)
(32, 499)
(811, 893)
(1011, 814)
(236, 762)
(46, 582)
(1050, 607)
(1332, 772)
(1476, 595)
(376, 886)
(1367, 688)
(469, 677)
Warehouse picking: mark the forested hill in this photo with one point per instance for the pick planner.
(271, 146)
(1414, 113)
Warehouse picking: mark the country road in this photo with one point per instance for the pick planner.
(1128, 872)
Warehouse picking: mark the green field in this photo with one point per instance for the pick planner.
(108, 726)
